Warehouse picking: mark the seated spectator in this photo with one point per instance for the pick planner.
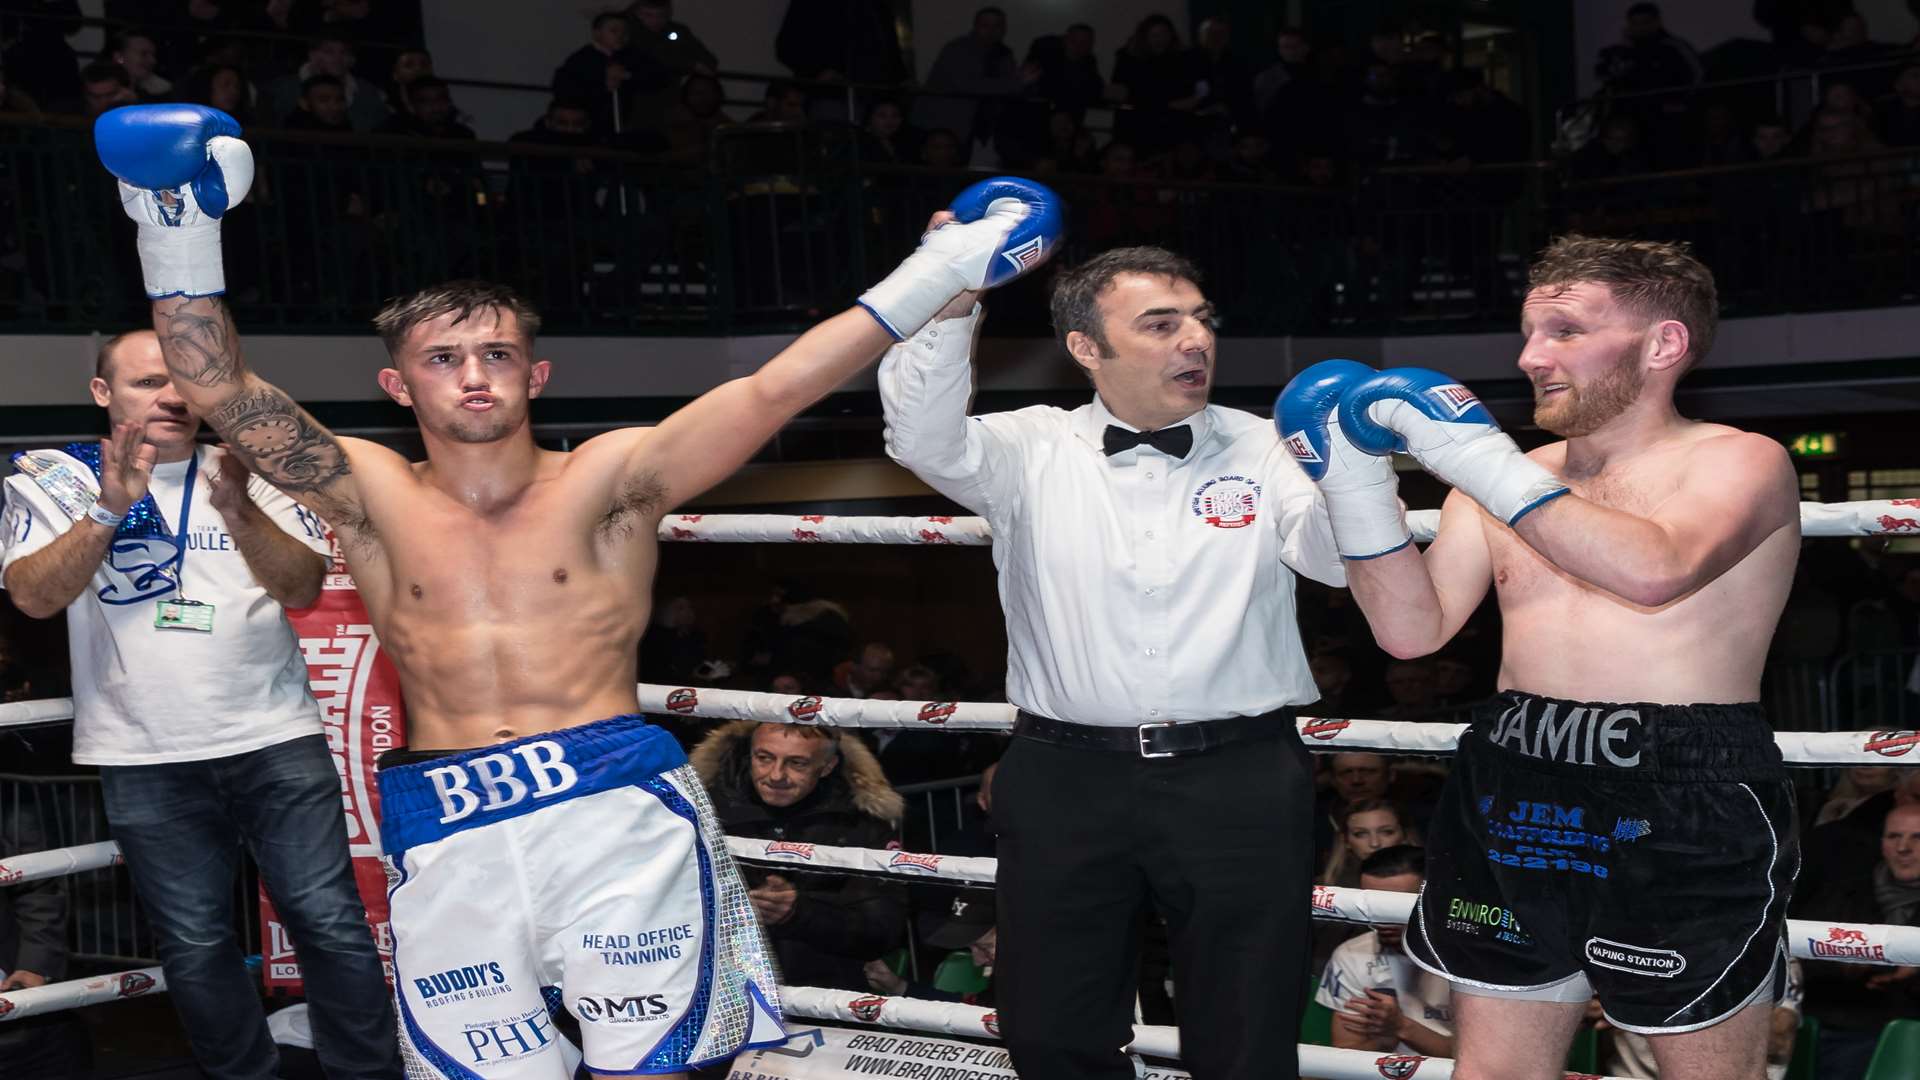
(966, 923)
(692, 122)
(1770, 140)
(1069, 72)
(970, 71)
(1900, 113)
(791, 685)
(1382, 1002)
(1618, 151)
(872, 670)
(224, 87)
(670, 46)
(809, 785)
(366, 106)
(835, 41)
(409, 67)
(33, 952)
(432, 114)
(1366, 826)
(1846, 844)
(1414, 686)
(673, 644)
(1853, 1001)
(135, 51)
(1227, 78)
(881, 138)
(322, 106)
(1488, 126)
(918, 682)
(13, 99)
(940, 149)
(1069, 146)
(784, 103)
(104, 86)
(1295, 52)
(566, 123)
(608, 74)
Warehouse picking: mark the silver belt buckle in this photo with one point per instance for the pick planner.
(1142, 733)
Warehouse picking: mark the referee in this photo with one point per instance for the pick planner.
(1147, 544)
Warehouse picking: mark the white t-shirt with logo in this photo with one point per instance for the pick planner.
(143, 695)
(1361, 964)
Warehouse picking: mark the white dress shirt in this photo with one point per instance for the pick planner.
(1137, 588)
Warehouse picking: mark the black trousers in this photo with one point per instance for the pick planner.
(1221, 841)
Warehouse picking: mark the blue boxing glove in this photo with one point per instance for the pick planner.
(1006, 226)
(1361, 490)
(1446, 429)
(181, 168)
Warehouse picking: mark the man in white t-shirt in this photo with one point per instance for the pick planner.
(1381, 1000)
(175, 567)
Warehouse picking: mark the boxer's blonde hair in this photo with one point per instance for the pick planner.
(465, 296)
(1654, 280)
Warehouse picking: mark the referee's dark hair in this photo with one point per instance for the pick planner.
(1076, 293)
(1396, 860)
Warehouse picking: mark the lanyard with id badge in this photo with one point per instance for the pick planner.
(180, 613)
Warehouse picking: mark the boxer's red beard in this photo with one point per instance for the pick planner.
(1585, 409)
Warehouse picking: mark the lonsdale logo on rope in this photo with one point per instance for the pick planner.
(1891, 743)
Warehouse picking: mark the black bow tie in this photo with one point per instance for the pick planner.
(1172, 441)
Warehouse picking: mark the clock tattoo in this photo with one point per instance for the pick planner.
(280, 441)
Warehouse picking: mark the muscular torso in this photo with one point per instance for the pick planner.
(1565, 638)
(511, 618)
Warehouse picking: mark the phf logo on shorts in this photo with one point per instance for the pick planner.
(491, 782)
(1227, 502)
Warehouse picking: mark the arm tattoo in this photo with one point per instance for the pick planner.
(281, 442)
(200, 346)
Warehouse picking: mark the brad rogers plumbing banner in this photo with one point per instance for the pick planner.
(361, 712)
(812, 1053)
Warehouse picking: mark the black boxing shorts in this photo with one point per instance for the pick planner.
(1643, 853)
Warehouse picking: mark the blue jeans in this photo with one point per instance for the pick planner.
(181, 826)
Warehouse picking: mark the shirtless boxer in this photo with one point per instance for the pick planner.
(1641, 852)
(546, 847)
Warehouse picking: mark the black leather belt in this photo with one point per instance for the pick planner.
(1170, 738)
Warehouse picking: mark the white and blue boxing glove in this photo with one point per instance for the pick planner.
(1004, 227)
(1445, 428)
(181, 168)
(1362, 492)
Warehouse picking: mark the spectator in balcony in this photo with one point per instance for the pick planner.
(1647, 57)
(43, 65)
(1849, 46)
(1853, 1001)
(1069, 70)
(1770, 140)
(322, 107)
(1618, 151)
(433, 115)
(1382, 128)
(1295, 64)
(969, 73)
(692, 122)
(807, 784)
(409, 67)
(136, 52)
(1069, 145)
(1250, 160)
(1489, 127)
(1719, 140)
(373, 28)
(665, 45)
(33, 952)
(1154, 79)
(841, 41)
(882, 138)
(1224, 80)
(1900, 111)
(783, 103)
(609, 74)
(224, 87)
(1381, 1001)
(940, 149)
(366, 106)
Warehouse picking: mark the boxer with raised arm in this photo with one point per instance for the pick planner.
(544, 843)
(1618, 820)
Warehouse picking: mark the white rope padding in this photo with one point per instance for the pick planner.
(972, 1021)
(1872, 517)
(55, 997)
(59, 862)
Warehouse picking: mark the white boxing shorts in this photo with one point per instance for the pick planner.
(579, 870)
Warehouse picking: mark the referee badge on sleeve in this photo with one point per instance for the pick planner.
(1227, 502)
